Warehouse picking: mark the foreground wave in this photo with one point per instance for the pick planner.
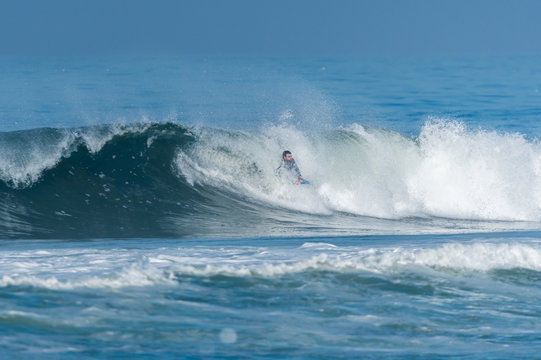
(359, 297)
(68, 269)
(168, 180)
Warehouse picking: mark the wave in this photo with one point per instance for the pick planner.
(117, 268)
(166, 179)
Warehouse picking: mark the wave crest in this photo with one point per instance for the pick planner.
(165, 266)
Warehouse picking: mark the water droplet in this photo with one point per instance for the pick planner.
(228, 336)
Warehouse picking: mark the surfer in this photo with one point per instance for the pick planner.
(289, 168)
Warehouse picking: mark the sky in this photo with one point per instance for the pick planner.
(270, 27)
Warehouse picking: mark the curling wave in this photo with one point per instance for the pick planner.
(168, 180)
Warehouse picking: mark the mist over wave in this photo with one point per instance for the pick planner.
(166, 179)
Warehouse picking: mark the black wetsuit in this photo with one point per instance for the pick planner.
(289, 168)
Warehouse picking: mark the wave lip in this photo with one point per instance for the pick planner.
(26, 155)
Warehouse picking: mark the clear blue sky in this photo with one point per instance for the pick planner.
(270, 27)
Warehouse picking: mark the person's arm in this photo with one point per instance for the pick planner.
(297, 172)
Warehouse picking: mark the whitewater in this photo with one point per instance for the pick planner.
(141, 213)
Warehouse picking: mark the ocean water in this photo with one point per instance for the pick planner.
(141, 215)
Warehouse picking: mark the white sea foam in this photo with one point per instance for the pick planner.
(477, 174)
(447, 171)
(475, 257)
(131, 276)
(115, 269)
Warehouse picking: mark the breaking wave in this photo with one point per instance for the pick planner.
(118, 268)
(166, 179)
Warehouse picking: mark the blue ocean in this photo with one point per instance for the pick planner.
(142, 217)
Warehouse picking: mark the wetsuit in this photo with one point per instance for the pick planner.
(289, 168)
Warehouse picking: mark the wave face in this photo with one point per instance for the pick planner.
(168, 180)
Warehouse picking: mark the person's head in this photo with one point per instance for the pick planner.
(286, 155)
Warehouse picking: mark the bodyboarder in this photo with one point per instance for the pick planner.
(289, 169)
